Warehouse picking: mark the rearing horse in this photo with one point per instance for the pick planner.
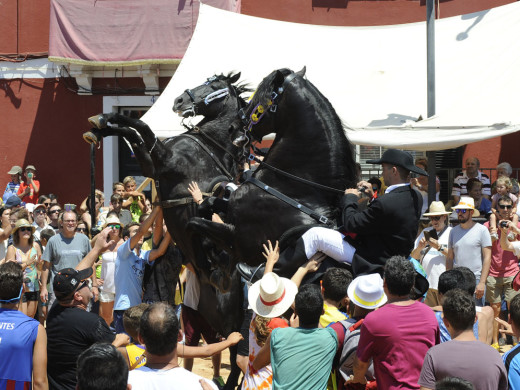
(310, 162)
(204, 154)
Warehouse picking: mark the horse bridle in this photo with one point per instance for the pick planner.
(219, 94)
(261, 109)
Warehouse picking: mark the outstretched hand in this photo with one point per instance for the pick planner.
(508, 329)
(314, 262)
(102, 243)
(195, 192)
(271, 254)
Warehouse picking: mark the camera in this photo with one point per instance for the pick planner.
(503, 224)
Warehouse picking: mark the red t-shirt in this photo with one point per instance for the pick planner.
(28, 198)
(503, 263)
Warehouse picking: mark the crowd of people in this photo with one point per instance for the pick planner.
(401, 306)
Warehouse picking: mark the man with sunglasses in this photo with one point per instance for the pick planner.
(54, 214)
(503, 268)
(71, 329)
(469, 245)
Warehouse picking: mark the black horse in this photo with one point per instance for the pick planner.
(303, 176)
(203, 154)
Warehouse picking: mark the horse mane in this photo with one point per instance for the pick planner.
(241, 87)
(264, 93)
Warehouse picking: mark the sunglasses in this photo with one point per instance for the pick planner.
(25, 229)
(505, 206)
(84, 284)
(461, 211)
(115, 226)
(47, 204)
(39, 211)
(81, 229)
(438, 217)
(54, 211)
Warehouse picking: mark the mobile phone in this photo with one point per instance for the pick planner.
(430, 234)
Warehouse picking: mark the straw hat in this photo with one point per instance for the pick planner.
(272, 295)
(366, 291)
(22, 223)
(112, 220)
(468, 203)
(436, 208)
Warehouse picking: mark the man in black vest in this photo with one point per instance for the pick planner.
(386, 228)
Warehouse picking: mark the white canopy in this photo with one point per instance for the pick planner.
(375, 77)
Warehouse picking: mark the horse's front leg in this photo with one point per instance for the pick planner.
(153, 144)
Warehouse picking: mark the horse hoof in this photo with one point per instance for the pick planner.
(90, 137)
(98, 121)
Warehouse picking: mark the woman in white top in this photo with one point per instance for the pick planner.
(108, 288)
(432, 252)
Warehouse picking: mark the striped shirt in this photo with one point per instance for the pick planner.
(459, 184)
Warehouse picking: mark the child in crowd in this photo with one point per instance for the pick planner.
(45, 236)
(132, 199)
(334, 289)
(133, 352)
(259, 330)
(28, 190)
(118, 188)
(504, 187)
(512, 357)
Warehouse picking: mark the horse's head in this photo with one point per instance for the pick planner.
(209, 98)
(258, 118)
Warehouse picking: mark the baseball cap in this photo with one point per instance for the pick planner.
(68, 281)
(14, 170)
(30, 167)
(13, 201)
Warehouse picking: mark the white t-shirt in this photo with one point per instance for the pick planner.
(434, 262)
(108, 269)
(145, 378)
(467, 247)
(192, 292)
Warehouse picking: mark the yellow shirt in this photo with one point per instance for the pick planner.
(134, 352)
(331, 315)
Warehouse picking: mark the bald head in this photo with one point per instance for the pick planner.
(159, 329)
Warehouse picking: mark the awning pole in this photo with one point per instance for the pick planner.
(430, 80)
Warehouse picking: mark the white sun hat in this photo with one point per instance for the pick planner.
(272, 295)
(468, 203)
(366, 291)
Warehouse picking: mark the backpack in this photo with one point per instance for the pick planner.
(345, 365)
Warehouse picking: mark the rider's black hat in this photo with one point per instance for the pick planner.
(400, 159)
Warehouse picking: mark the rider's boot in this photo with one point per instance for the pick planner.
(290, 260)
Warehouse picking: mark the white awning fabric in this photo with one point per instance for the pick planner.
(375, 77)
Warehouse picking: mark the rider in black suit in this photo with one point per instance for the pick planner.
(387, 227)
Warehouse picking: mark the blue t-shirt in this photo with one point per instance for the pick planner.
(17, 337)
(485, 206)
(445, 335)
(302, 358)
(513, 372)
(128, 276)
(10, 190)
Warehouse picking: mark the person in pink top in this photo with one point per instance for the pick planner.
(398, 335)
(503, 268)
